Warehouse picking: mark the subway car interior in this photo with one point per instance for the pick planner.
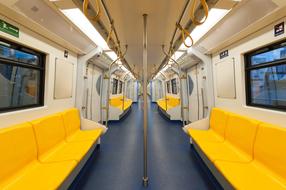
(142, 94)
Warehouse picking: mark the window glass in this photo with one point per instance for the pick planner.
(19, 86)
(120, 87)
(21, 78)
(114, 86)
(168, 87)
(174, 86)
(268, 86)
(266, 80)
(269, 56)
(16, 55)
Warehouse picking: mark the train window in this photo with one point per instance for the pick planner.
(21, 77)
(120, 87)
(168, 87)
(266, 77)
(174, 86)
(114, 86)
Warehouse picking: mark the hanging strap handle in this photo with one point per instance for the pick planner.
(85, 10)
(206, 10)
(185, 34)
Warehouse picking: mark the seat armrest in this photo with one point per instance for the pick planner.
(202, 124)
(89, 125)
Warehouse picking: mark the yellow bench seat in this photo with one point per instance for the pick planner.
(67, 151)
(19, 166)
(118, 102)
(250, 176)
(223, 151)
(40, 176)
(251, 154)
(72, 123)
(168, 102)
(205, 135)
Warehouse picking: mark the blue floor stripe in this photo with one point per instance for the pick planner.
(119, 163)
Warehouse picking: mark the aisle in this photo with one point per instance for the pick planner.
(118, 164)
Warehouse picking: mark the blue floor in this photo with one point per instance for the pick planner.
(118, 165)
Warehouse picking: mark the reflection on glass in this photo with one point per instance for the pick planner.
(269, 56)
(268, 86)
(18, 86)
(16, 55)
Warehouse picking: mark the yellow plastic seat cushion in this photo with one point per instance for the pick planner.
(270, 148)
(67, 151)
(17, 148)
(218, 121)
(49, 132)
(223, 151)
(205, 135)
(162, 104)
(116, 101)
(250, 176)
(86, 135)
(127, 103)
(173, 101)
(40, 176)
(241, 132)
(71, 119)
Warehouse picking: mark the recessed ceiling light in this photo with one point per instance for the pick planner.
(79, 19)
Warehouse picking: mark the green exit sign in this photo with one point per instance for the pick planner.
(9, 28)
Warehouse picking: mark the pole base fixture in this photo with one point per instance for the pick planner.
(145, 181)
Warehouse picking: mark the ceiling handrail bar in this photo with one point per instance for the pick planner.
(193, 8)
(110, 32)
(85, 10)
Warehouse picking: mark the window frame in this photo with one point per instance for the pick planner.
(248, 68)
(40, 67)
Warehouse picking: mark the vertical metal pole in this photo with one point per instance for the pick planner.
(145, 176)
(108, 91)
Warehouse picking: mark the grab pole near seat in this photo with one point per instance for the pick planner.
(181, 85)
(145, 66)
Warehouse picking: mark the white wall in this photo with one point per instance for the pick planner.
(34, 41)
(236, 51)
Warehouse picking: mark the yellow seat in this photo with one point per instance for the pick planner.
(240, 134)
(71, 120)
(162, 104)
(249, 176)
(52, 147)
(205, 135)
(268, 169)
(20, 168)
(118, 102)
(40, 176)
(223, 151)
(67, 151)
(216, 132)
(173, 101)
(168, 102)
